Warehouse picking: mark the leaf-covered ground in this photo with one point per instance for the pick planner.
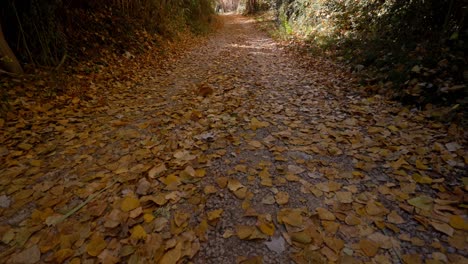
(240, 152)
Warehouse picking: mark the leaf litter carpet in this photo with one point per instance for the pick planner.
(240, 152)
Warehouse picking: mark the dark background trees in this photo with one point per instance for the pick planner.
(44, 32)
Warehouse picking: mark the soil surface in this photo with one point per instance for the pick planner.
(239, 152)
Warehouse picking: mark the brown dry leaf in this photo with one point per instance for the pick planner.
(282, 198)
(210, 189)
(129, 203)
(412, 259)
(241, 193)
(255, 143)
(292, 217)
(443, 227)
(96, 245)
(374, 208)
(214, 215)
(369, 247)
(256, 124)
(234, 185)
(352, 220)
(222, 181)
(173, 255)
(344, 197)
(268, 199)
(157, 170)
(265, 225)
(324, 214)
(249, 260)
(394, 218)
(181, 218)
(63, 254)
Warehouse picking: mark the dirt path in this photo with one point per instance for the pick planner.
(278, 163)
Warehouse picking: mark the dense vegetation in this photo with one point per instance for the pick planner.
(45, 33)
(416, 48)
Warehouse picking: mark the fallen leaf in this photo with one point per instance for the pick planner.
(352, 220)
(256, 124)
(214, 215)
(324, 214)
(282, 198)
(344, 197)
(138, 232)
(173, 255)
(369, 247)
(234, 185)
(129, 203)
(291, 217)
(157, 170)
(422, 202)
(458, 222)
(244, 231)
(96, 245)
(394, 218)
(443, 227)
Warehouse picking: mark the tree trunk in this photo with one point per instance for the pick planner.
(8, 60)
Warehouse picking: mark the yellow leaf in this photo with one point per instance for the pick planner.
(172, 256)
(420, 165)
(256, 124)
(244, 232)
(228, 233)
(267, 227)
(171, 180)
(138, 232)
(301, 237)
(199, 173)
(214, 215)
(96, 245)
(421, 179)
(291, 217)
(148, 217)
(282, 198)
(129, 203)
(241, 193)
(324, 214)
(458, 222)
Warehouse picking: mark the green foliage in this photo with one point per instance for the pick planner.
(386, 36)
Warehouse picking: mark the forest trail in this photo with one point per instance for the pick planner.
(237, 153)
